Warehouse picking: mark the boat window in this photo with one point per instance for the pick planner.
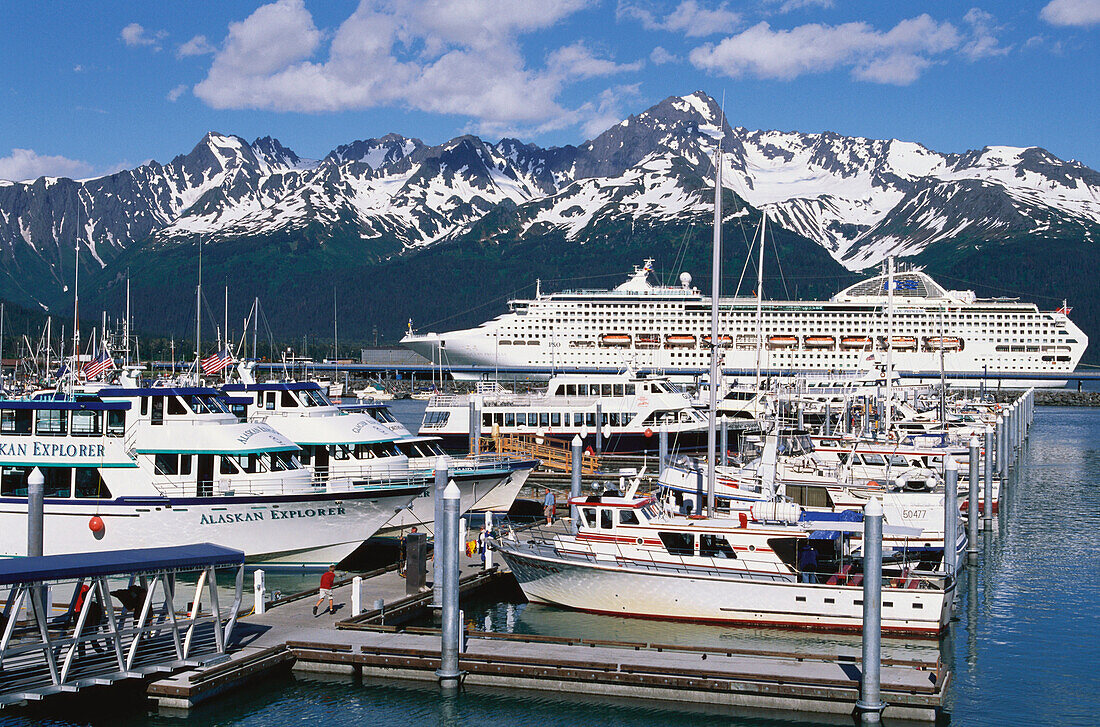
(282, 462)
(582, 389)
(614, 416)
(339, 451)
(509, 419)
(269, 401)
(157, 415)
(185, 464)
(605, 518)
(487, 420)
(589, 515)
(578, 419)
(618, 389)
(50, 422)
(555, 419)
(436, 418)
(227, 467)
(240, 411)
(560, 390)
(306, 455)
(876, 460)
(628, 517)
(13, 481)
(605, 389)
(630, 389)
(571, 390)
(144, 405)
(321, 399)
(896, 460)
(116, 423)
(288, 400)
(809, 495)
(87, 423)
(15, 421)
(715, 546)
(678, 543)
(59, 481)
(843, 457)
(89, 483)
(544, 419)
(166, 464)
(590, 419)
(176, 407)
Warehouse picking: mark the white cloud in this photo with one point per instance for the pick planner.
(659, 56)
(78, 68)
(607, 111)
(983, 42)
(577, 61)
(175, 93)
(895, 56)
(26, 164)
(1071, 12)
(446, 56)
(197, 46)
(689, 17)
(786, 6)
(135, 36)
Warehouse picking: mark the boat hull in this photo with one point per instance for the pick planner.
(301, 530)
(615, 588)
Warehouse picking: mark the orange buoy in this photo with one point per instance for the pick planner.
(96, 524)
(648, 433)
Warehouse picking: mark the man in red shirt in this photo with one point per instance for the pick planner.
(327, 579)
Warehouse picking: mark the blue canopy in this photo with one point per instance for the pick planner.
(844, 516)
(115, 562)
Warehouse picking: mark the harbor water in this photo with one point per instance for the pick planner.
(1024, 647)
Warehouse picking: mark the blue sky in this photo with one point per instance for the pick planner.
(90, 88)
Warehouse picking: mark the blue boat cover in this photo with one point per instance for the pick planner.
(844, 516)
(115, 562)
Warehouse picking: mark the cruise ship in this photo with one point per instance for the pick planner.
(665, 329)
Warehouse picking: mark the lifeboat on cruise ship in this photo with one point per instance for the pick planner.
(614, 340)
(775, 342)
(946, 343)
(904, 343)
(856, 343)
(679, 340)
(724, 341)
(820, 341)
(647, 340)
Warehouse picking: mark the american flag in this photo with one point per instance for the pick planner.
(94, 368)
(215, 362)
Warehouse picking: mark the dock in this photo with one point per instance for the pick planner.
(381, 643)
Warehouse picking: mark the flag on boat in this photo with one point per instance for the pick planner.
(95, 368)
(215, 362)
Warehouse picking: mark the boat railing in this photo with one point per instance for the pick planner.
(292, 485)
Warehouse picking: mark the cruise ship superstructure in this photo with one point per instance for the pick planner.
(666, 329)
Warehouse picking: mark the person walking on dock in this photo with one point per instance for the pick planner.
(328, 578)
(548, 506)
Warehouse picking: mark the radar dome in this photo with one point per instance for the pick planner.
(685, 279)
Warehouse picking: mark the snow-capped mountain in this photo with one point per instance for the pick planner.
(860, 199)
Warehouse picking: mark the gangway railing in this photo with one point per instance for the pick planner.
(554, 453)
(158, 622)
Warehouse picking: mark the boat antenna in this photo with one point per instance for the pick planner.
(127, 326)
(760, 297)
(198, 316)
(715, 292)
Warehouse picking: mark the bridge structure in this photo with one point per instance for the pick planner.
(165, 613)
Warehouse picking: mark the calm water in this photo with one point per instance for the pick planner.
(1025, 648)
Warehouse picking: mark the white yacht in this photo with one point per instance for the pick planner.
(631, 410)
(351, 446)
(630, 559)
(136, 467)
(666, 329)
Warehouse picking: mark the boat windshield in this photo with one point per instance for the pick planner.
(795, 444)
(651, 511)
(313, 397)
(206, 404)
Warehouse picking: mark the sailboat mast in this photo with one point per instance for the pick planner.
(126, 328)
(255, 319)
(716, 289)
(889, 342)
(198, 317)
(760, 301)
(335, 341)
